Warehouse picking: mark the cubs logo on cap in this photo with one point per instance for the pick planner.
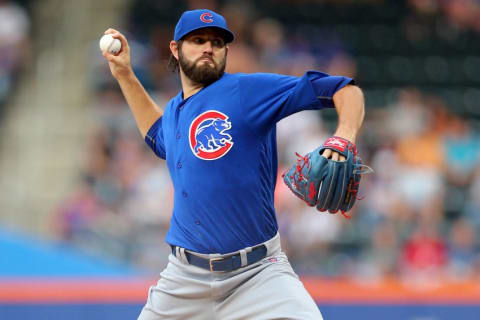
(206, 17)
(208, 137)
(198, 19)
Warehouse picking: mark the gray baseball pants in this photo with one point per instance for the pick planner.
(268, 289)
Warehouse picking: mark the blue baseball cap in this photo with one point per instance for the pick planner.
(198, 19)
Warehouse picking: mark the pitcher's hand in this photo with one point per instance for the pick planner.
(119, 63)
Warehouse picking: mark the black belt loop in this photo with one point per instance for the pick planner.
(228, 263)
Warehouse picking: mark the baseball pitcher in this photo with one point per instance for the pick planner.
(219, 140)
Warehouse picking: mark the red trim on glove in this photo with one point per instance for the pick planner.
(336, 143)
(340, 144)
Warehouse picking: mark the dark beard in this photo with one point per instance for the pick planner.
(203, 74)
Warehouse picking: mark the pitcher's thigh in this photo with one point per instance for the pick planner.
(178, 295)
(167, 305)
(274, 293)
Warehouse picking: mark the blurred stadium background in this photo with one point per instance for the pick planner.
(84, 206)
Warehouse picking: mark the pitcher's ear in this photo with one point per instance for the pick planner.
(174, 47)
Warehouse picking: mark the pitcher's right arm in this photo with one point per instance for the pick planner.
(144, 109)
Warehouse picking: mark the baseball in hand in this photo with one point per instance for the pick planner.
(110, 44)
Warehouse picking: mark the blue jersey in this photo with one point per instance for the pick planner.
(221, 152)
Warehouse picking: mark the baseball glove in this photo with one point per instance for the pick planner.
(327, 184)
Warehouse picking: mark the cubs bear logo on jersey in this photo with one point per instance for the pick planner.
(208, 139)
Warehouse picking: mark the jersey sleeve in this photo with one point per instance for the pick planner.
(154, 139)
(268, 98)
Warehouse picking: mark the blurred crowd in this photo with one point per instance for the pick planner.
(417, 218)
(14, 48)
(461, 13)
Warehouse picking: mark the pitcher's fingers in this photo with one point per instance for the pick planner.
(327, 153)
(342, 158)
(122, 39)
(110, 31)
(335, 156)
(110, 57)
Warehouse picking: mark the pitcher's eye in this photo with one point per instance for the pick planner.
(219, 43)
(198, 40)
